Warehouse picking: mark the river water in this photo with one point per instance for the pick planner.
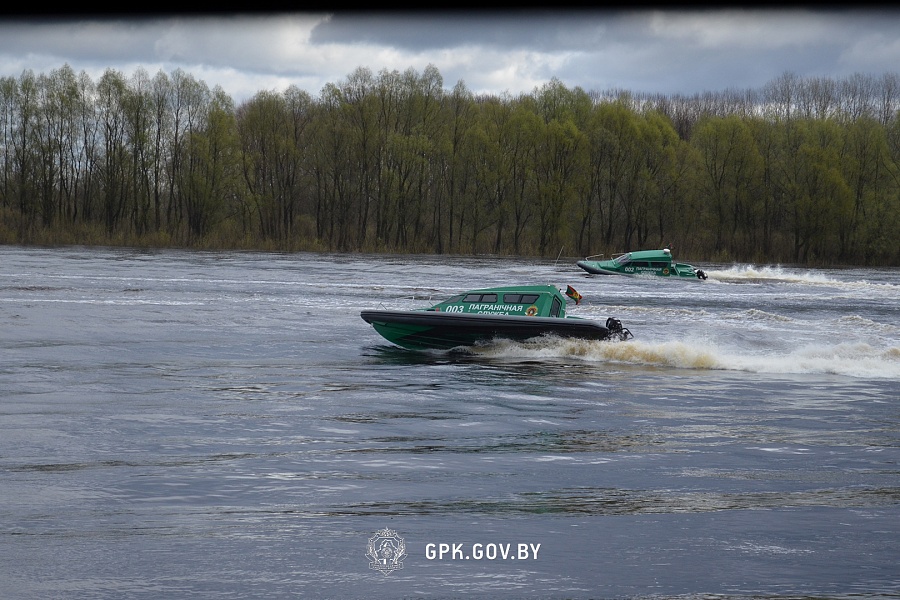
(190, 424)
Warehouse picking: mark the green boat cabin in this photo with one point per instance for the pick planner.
(523, 301)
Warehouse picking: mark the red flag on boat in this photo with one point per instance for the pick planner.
(571, 293)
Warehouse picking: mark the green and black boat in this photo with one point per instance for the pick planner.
(642, 262)
(512, 312)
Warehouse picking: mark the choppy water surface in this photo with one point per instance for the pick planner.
(224, 425)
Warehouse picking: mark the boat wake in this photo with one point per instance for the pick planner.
(768, 273)
(847, 359)
(778, 274)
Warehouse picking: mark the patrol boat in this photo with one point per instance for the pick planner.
(642, 262)
(510, 312)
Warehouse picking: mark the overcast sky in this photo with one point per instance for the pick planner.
(649, 50)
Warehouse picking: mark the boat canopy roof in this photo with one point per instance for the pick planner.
(535, 289)
(655, 255)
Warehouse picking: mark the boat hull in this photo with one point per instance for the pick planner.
(596, 268)
(609, 268)
(420, 330)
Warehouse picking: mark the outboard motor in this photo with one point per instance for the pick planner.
(701, 274)
(615, 329)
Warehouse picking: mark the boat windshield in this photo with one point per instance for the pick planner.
(622, 260)
(555, 307)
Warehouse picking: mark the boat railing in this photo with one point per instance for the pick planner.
(612, 256)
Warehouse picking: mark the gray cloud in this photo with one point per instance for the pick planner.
(652, 51)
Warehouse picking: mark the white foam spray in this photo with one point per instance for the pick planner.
(848, 359)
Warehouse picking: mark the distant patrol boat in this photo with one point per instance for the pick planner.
(642, 262)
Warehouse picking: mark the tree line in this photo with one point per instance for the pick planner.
(801, 170)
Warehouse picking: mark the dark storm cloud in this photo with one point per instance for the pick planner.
(513, 30)
(109, 39)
